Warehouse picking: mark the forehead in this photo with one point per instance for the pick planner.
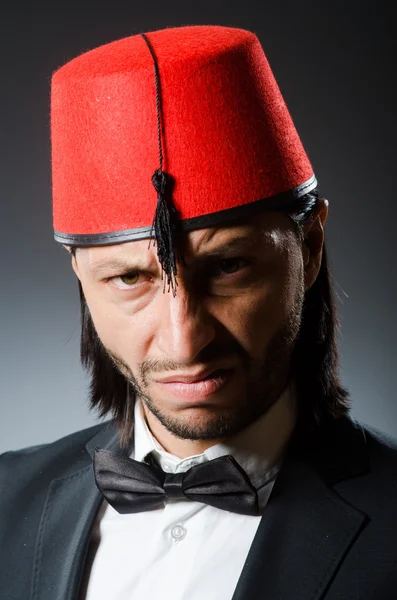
(269, 230)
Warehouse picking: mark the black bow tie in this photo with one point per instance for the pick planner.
(131, 486)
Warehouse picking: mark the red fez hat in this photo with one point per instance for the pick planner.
(198, 103)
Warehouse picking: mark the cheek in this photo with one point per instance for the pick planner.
(123, 331)
(255, 318)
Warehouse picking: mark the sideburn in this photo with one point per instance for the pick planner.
(110, 392)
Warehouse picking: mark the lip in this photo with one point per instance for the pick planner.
(197, 387)
(191, 378)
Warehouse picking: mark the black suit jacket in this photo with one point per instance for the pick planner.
(328, 532)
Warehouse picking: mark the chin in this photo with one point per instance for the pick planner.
(206, 420)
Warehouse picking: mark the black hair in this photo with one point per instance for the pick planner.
(314, 366)
(315, 358)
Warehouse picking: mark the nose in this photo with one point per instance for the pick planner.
(185, 325)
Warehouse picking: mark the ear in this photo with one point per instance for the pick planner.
(312, 245)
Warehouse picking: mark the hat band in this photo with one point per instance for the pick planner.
(278, 202)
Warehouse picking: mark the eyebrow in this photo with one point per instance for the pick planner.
(241, 243)
(118, 265)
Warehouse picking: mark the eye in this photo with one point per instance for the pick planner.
(125, 281)
(129, 278)
(229, 266)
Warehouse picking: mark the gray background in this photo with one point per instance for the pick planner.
(336, 65)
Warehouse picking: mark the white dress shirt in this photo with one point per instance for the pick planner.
(186, 550)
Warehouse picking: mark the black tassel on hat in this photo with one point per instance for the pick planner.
(166, 224)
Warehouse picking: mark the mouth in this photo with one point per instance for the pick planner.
(196, 387)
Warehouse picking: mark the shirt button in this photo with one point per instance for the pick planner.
(167, 469)
(178, 533)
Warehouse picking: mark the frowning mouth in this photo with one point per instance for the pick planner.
(198, 386)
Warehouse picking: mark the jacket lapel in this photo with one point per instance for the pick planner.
(72, 504)
(307, 528)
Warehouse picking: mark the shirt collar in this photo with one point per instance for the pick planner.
(258, 448)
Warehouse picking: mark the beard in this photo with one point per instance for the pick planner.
(266, 379)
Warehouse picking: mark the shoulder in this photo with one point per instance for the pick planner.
(69, 441)
(51, 459)
(382, 448)
(380, 440)
(371, 459)
(360, 439)
(351, 454)
(349, 436)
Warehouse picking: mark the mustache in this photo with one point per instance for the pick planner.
(213, 353)
(207, 356)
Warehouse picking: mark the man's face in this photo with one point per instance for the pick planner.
(210, 360)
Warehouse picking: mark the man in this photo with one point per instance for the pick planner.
(231, 468)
